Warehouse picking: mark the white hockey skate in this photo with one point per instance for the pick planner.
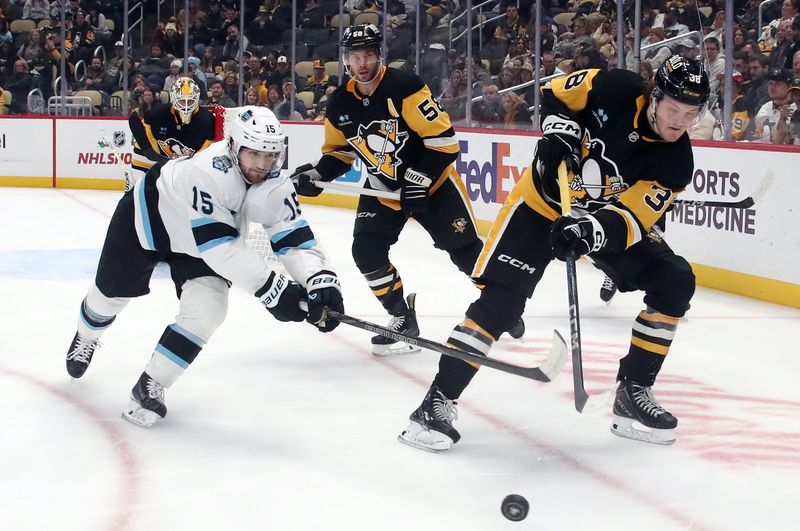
(147, 403)
(638, 416)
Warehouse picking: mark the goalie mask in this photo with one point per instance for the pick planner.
(361, 37)
(257, 128)
(185, 98)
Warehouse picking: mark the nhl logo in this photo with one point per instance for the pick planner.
(119, 138)
(634, 136)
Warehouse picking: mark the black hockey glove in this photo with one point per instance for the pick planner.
(324, 292)
(282, 298)
(414, 194)
(561, 141)
(576, 236)
(303, 179)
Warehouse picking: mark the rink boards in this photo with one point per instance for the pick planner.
(752, 251)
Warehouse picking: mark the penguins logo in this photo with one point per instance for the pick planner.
(379, 144)
(174, 148)
(599, 176)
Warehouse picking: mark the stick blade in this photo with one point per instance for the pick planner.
(557, 357)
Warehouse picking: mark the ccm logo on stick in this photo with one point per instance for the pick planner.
(519, 264)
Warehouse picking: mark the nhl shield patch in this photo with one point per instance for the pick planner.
(222, 163)
(119, 138)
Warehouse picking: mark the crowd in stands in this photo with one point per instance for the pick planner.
(575, 34)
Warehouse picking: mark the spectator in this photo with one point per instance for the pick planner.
(657, 54)
(115, 64)
(274, 97)
(715, 66)
(172, 42)
(214, 17)
(80, 37)
(454, 96)
(199, 77)
(194, 14)
(251, 97)
(97, 21)
(282, 16)
(507, 78)
(174, 73)
(262, 31)
(279, 73)
(687, 48)
(757, 94)
(794, 121)
(511, 26)
(231, 48)
(260, 89)
(231, 85)
(200, 33)
(137, 86)
(33, 51)
(218, 95)
(794, 47)
(516, 115)
(155, 67)
(312, 16)
(36, 10)
(147, 101)
(19, 84)
(319, 81)
(549, 64)
(299, 107)
(96, 76)
(489, 110)
(434, 67)
(778, 109)
(742, 126)
(209, 63)
(252, 67)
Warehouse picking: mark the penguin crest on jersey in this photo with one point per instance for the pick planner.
(599, 177)
(379, 144)
(175, 148)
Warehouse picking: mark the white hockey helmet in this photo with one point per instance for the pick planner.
(259, 129)
(184, 95)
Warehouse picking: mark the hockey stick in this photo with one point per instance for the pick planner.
(584, 402)
(545, 372)
(747, 202)
(357, 190)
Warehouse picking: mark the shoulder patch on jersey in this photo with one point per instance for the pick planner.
(222, 163)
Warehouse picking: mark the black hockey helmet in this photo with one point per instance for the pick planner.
(362, 36)
(684, 80)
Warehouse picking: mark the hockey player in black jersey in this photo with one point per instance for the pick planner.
(391, 121)
(179, 129)
(629, 156)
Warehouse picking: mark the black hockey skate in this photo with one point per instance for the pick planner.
(518, 330)
(637, 415)
(79, 355)
(404, 321)
(147, 402)
(607, 290)
(431, 426)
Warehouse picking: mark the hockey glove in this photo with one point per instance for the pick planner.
(303, 179)
(414, 194)
(324, 292)
(282, 298)
(576, 236)
(561, 141)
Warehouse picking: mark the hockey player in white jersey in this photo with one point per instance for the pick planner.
(189, 213)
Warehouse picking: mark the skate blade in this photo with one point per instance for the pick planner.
(395, 349)
(416, 436)
(631, 429)
(140, 416)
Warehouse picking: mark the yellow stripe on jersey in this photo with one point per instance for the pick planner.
(336, 144)
(425, 117)
(658, 317)
(532, 197)
(510, 205)
(151, 138)
(650, 347)
(573, 90)
(633, 229)
(647, 201)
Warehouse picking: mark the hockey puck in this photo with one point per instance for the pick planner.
(514, 507)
